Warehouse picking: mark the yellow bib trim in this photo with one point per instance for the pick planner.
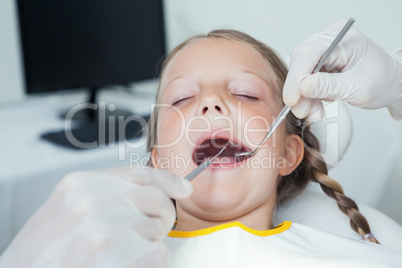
(278, 229)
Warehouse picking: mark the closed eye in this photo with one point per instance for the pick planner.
(180, 100)
(247, 97)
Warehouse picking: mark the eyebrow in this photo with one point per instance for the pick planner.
(174, 79)
(246, 71)
(259, 75)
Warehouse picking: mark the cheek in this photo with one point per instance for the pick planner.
(269, 158)
(256, 121)
(173, 150)
(170, 127)
(255, 128)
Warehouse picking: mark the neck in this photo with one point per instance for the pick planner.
(259, 218)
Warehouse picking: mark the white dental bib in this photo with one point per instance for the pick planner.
(287, 245)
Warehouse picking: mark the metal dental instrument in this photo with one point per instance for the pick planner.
(286, 109)
(203, 166)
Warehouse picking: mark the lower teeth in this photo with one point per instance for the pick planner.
(227, 159)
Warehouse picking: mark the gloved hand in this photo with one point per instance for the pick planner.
(113, 218)
(358, 71)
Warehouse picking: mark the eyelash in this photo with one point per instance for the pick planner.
(247, 97)
(180, 100)
(252, 98)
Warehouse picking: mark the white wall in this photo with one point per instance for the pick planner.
(283, 24)
(11, 84)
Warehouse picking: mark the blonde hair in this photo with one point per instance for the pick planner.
(312, 168)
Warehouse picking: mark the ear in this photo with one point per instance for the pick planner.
(293, 154)
(154, 157)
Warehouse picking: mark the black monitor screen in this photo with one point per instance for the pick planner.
(89, 43)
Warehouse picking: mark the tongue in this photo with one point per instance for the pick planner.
(211, 147)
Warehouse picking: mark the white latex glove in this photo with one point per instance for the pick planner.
(113, 218)
(358, 72)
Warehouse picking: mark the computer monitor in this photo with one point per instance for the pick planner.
(89, 43)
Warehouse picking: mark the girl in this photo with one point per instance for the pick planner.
(212, 77)
(220, 89)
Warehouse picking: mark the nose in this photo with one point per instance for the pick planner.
(205, 109)
(212, 103)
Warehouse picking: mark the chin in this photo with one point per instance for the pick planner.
(216, 201)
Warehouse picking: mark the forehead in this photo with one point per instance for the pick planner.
(216, 56)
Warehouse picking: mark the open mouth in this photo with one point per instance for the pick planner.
(209, 148)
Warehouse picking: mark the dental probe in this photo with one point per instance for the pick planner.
(203, 166)
(286, 109)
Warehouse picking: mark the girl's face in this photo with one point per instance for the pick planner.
(214, 91)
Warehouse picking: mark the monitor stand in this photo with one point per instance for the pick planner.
(93, 109)
(97, 125)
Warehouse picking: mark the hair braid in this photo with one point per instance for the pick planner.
(333, 189)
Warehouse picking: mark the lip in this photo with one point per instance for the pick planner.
(220, 134)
